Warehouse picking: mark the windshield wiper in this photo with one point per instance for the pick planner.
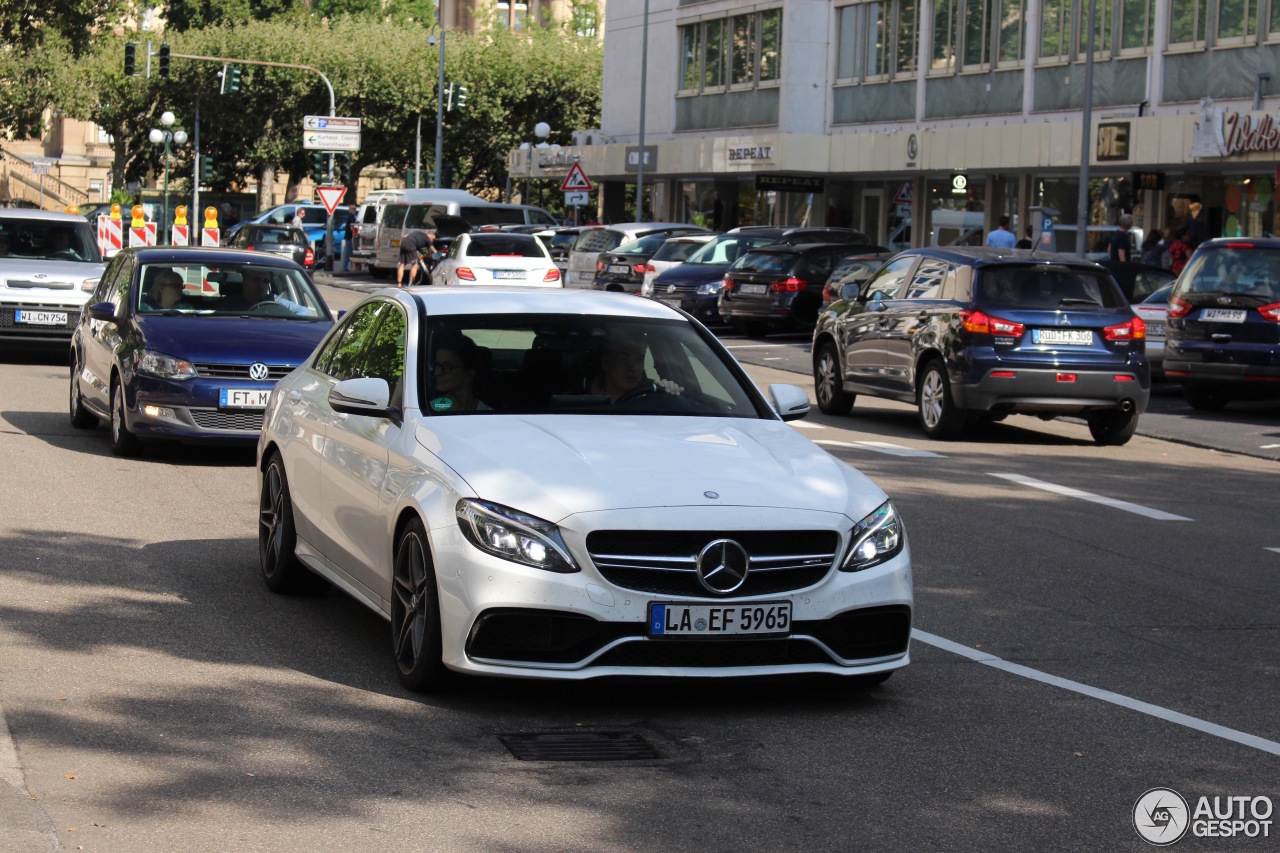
(1071, 300)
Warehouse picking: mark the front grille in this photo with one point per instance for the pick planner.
(871, 632)
(713, 653)
(542, 636)
(665, 561)
(241, 371)
(240, 421)
(46, 285)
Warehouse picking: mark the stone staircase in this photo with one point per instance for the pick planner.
(19, 184)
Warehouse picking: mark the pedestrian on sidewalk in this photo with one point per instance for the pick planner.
(349, 238)
(1002, 237)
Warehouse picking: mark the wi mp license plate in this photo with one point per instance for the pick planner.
(668, 619)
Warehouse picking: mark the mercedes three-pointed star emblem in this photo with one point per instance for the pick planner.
(722, 566)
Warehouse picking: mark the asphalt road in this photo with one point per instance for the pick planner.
(160, 698)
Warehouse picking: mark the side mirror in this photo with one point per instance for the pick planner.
(103, 311)
(851, 292)
(791, 402)
(370, 397)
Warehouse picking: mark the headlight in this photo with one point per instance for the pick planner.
(155, 363)
(876, 538)
(514, 536)
(711, 288)
(89, 284)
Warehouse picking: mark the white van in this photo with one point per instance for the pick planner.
(415, 210)
(949, 228)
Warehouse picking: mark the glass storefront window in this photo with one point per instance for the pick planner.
(1109, 198)
(956, 218)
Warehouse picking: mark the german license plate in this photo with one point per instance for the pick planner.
(1222, 315)
(244, 398)
(753, 289)
(41, 318)
(1068, 337)
(509, 274)
(719, 620)
(619, 269)
(1155, 330)
(584, 276)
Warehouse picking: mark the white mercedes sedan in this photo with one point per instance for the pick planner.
(498, 257)
(570, 485)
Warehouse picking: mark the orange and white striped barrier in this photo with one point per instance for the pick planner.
(209, 234)
(110, 236)
(181, 233)
(140, 238)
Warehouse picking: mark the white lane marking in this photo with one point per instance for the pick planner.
(773, 358)
(881, 447)
(1097, 693)
(804, 425)
(1277, 550)
(1269, 446)
(1067, 491)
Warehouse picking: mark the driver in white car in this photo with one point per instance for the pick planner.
(622, 373)
(257, 289)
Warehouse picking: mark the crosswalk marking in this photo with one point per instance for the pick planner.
(1067, 491)
(880, 447)
(806, 425)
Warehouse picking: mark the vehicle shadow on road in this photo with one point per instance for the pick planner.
(904, 423)
(54, 429)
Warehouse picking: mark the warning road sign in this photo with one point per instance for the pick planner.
(905, 195)
(576, 180)
(331, 197)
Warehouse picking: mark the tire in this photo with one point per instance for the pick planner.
(379, 272)
(751, 328)
(1113, 428)
(81, 418)
(939, 417)
(415, 613)
(1203, 398)
(277, 537)
(123, 442)
(828, 382)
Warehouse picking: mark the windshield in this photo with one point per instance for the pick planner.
(293, 236)
(1161, 296)
(48, 240)
(643, 246)
(1047, 286)
(769, 262)
(677, 250)
(727, 249)
(576, 364)
(229, 290)
(1246, 271)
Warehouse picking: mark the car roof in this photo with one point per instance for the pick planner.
(535, 300)
(43, 215)
(644, 226)
(693, 238)
(1236, 242)
(201, 255)
(984, 256)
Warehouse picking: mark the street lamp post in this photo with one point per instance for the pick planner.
(166, 136)
(1086, 119)
(431, 41)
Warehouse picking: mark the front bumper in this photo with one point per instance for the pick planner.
(1048, 391)
(704, 308)
(189, 411)
(14, 332)
(501, 618)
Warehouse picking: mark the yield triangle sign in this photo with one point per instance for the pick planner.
(576, 180)
(331, 197)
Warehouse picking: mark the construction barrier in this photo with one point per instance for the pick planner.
(209, 234)
(181, 231)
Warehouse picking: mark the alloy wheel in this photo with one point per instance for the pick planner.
(931, 399)
(826, 378)
(117, 414)
(411, 593)
(271, 521)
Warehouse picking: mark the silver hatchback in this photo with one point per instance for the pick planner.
(49, 265)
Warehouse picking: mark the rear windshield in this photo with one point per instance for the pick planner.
(678, 250)
(598, 240)
(274, 235)
(1251, 271)
(48, 240)
(563, 238)
(1047, 286)
(727, 249)
(509, 245)
(766, 262)
(855, 269)
(1161, 296)
(493, 214)
(643, 246)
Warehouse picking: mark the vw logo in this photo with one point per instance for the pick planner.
(257, 371)
(671, 288)
(722, 566)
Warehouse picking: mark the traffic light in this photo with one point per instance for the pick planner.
(131, 59)
(206, 167)
(317, 167)
(462, 96)
(233, 79)
(341, 168)
(164, 59)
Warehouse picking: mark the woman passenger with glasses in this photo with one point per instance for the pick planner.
(456, 363)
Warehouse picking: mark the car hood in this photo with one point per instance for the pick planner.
(58, 274)
(232, 340)
(554, 466)
(692, 275)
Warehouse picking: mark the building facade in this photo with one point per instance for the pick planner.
(879, 114)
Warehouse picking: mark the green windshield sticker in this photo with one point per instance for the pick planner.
(442, 404)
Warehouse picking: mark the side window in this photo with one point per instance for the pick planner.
(384, 358)
(370, 215)
(107, 283)
(393, 216)
(419, 216)
(281, 216)
(928, 280)
(454, 249)
(888, 282)
(119, 294)
(341, 357)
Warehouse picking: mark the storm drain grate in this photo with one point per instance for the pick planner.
(579, 746)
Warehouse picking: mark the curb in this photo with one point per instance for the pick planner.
(27, 828)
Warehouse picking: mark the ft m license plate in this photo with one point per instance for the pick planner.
(753, 289)
(41, 318)
(1069, 337)
(719, 620)
(244, 398)
(1222, 315)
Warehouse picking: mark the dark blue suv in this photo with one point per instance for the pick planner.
(986, 333)
(1224, 323)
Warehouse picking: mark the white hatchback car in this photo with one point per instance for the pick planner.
(498, 257)
(573, 485)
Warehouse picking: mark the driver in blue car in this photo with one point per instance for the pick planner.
(257, 290)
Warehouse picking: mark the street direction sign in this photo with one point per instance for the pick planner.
(334, 124)
(40, 167)
(577, 198)
(576, 180)
(328, 140)
(331, 197)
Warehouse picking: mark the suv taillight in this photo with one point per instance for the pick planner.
(1270, 312)
(599, 266)
(640, 269)
(1178, 307)
(726, 283)
(984, 324)
(1132, 329)
(789, 285)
